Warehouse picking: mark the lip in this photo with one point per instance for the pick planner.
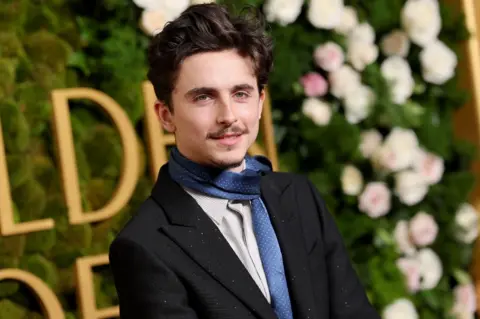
(229, 139)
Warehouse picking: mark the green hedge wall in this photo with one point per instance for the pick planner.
(45, 45)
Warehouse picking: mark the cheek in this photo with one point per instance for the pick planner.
(250, 115)
(197, 124)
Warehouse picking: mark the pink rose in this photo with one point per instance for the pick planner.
(402, 238)
(329, 56)
(465, 299)
(314, 84)
(410, 268)
(375, 199)
(423, 229)
(429, 165)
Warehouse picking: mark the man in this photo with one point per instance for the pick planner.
(221, 235)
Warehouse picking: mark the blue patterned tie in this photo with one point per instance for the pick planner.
(242, 186)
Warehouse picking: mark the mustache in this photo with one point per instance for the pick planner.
(228, 130)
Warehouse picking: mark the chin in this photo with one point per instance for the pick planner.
(229, 159)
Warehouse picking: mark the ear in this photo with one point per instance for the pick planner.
(263, 95)
(165, 116)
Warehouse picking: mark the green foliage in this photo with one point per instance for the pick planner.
(41, 267)
(16, 128)
(30, 198)
(36, 98)
(103, 151)
(39, 48)
(12, 14)
(8, 309)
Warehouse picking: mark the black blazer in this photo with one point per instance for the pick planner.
(171, 261)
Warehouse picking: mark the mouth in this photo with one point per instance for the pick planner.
(228, 139)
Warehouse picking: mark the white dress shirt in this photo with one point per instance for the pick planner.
(234, 220)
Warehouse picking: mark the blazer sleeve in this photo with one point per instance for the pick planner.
(146, 287)
(348, 299)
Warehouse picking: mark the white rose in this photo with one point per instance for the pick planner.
(171, 8)
(423, 229)
(410, 268)
(329, 56)
(358, 104)
(348, 21)
(400, 309)
(402, 238)
(325, 14)
(375, 200)
(370, 142)
(421, 20)
(438, 62)
(398, 150)
(466, 219)
(360, 54)
(395, 43)
(402, 90)
(410, 187)
(429, 166)
(152, 21)
(192, 2)
(395, 67)
(148, 4)
(343, 80)
(431, 269)
(364, 32)
(398, 74)
(352, 180)
(317, 110)
(283, 11)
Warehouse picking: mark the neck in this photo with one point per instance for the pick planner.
(239, 168)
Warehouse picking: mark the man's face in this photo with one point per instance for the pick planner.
(216, 109)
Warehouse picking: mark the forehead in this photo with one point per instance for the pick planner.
(222, 69)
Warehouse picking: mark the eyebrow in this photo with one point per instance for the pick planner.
(211, 91)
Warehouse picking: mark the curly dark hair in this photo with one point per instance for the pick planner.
(207, 28)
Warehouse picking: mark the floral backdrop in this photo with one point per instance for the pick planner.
(363, 93)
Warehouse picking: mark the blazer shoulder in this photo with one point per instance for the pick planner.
(143, 223)
(288, 179)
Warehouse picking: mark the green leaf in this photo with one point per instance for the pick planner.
(458, 186)
(79, 61)
(431, 298)
(462, 277)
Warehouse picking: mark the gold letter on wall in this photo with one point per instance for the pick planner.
(51, 307)
(7, 224)
(86, 292)
(64, 136)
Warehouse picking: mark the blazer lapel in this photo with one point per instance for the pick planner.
(198, 236)
(280, 202)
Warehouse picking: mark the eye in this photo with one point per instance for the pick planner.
(241, 95)
(201, 98)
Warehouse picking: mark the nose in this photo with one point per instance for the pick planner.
(226, 114)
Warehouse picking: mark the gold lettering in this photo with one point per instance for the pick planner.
(64, 137)
(48, 301)
(85, 289)
(7, 223)
(467, 118)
